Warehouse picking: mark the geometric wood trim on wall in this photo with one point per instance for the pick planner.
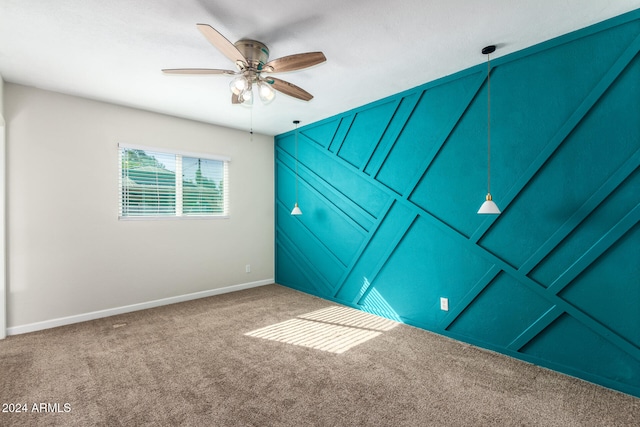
(390, 192)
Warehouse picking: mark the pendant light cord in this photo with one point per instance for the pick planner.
(488, 124)
(296, 123)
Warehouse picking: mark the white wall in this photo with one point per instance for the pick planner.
(3, 317)
(69, 255)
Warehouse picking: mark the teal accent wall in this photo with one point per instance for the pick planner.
(389, 194)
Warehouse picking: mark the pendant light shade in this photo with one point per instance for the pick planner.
(296, 209)
(489, 206)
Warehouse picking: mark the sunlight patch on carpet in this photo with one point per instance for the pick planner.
(333, 329)
(350, 317)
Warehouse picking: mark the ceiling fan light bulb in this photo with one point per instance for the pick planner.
(266, 92)
(246, 98)
(239, 85)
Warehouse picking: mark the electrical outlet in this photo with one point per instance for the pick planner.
(444, 304)
(247, 268)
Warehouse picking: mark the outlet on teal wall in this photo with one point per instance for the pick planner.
(389, 194)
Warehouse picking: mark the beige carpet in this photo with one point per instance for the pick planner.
(272, 356)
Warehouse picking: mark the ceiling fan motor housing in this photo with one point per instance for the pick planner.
(255, 52)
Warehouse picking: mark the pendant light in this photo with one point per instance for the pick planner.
(489, 206)
(296, 209)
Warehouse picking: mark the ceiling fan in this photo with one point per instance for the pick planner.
(250, 58)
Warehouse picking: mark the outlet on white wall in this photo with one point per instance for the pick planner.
(247, 268)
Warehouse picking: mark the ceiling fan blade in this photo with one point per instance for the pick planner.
(197, 71)
(222, 44)
(294, 62)
(289, 89)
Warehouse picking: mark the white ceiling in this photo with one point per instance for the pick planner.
(113, 50)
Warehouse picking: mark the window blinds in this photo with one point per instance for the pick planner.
(160, 184)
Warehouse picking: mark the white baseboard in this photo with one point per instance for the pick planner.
(62, 321)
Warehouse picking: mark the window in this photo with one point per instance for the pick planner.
(161, 184)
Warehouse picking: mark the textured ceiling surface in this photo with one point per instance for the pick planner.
(114, 50)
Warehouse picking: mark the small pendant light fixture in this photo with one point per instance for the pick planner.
(296, 210)
(489, 206)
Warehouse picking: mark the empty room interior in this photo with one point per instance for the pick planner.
(336, 213)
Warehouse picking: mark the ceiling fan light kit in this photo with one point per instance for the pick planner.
(250, 58)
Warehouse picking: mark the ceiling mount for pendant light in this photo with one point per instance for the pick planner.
(489, 206)
(296, 209)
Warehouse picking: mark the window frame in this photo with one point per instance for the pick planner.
(178, 215)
